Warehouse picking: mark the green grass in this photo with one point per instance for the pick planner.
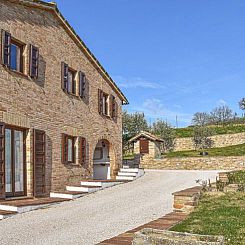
(128, 156)
(235, 150)
(237, 177)
(218, 215)
(226, 129)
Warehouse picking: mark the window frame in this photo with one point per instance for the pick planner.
(106, 104)
(20, 58)
(73, 82)
(65, 149)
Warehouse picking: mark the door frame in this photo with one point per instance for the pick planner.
(141, 143)
(13, 193)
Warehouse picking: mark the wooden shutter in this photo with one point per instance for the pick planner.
(64, 76)
(39, 153)
(82, 84)
(2, 161)
(144, 146)
(100, 101)
(6, 48)
(34, 62)
(82, 156)
(64, 150)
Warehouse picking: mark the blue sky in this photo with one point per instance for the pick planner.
(169, 57)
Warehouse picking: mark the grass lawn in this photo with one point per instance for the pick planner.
(226, 129)
(218, 215)
(235, 150)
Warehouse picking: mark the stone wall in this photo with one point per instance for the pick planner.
(42, 104)
(195, 163)
(184, 144)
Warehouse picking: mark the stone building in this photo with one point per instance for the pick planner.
(147, 144)
(60, 111)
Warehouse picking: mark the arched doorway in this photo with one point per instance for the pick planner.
(101, 161)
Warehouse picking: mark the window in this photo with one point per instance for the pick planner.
(68, 149)
(103, 103)
(16, 56)
(68, 79)
(114, 108)
(12, 52)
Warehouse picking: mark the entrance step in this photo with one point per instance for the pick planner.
(127, 174)
(83, 189)
(25, 205)
(100, 183)
(125, 178)
(67, 194)
(129, 170)
(6, 214)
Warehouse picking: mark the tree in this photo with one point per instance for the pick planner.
(222, 114)
(200, 118)
(242, 104)
(201, 138)
(166, 133)
(132, 124)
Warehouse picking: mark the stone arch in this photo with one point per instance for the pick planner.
(104, 159)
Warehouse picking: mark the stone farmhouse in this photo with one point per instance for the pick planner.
(60, 111)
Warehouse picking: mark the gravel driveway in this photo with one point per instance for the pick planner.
(101, 215)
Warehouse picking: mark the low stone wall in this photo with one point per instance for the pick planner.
(185, 144)
(195, 163)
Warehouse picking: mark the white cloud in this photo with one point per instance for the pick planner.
(155, 109)
(136, 82)
(221, 102)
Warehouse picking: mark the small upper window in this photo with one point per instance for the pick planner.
(16, 57)
(71, 82)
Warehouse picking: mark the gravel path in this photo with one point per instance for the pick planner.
(101, 215)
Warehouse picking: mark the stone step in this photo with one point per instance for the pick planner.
(130, 170)
(130, 174)
(6, 214)
(67, 194)
(125, 178)
(25, 205)
(83, 189)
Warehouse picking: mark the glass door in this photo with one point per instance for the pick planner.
(14, 163)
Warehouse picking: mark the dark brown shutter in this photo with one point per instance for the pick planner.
(100, 101)
(2, 153)
(34, 61)
(6, 48)
(64, 150)
(116, 112)
(64, 76)
(83, 153)
(82, 84)
(39, 153)
(144, 146)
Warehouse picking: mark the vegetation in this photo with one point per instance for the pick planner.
(165, 132)
(218, 215)
(133, 124)
(242, 104)
(201, 138)
(235, 150)
(217, 129)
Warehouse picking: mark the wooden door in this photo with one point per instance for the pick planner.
(39, 163)
(144, 146)
(2, 154)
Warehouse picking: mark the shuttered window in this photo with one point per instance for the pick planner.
(6, 48)
(82, 84)
(68, 149)
(34, 61)
(2, 154)
(82, 154)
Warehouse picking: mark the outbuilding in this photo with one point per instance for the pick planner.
(147, 144)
